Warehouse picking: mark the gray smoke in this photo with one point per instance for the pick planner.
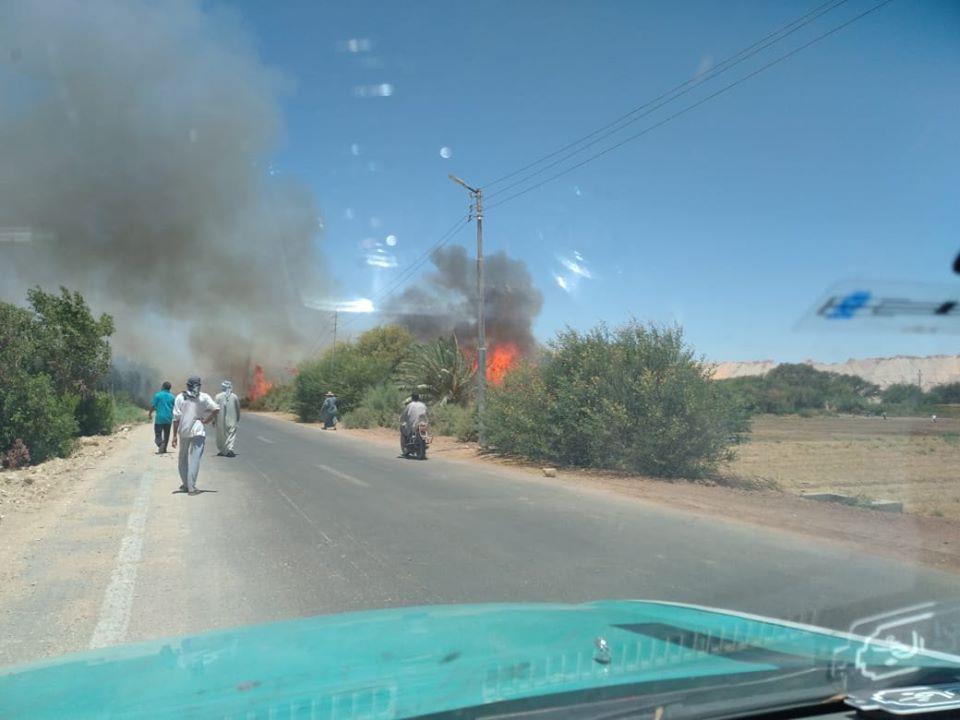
(135, 138)
(444, 301)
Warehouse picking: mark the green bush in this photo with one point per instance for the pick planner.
(385, 403)
(95, 414)
(125, 412)
(360, 417)
(947, 394)
(349, 371)
(457, 421)
(633, 399)
(51, 355)
(800, 388)
(439, 371)
(32, 411)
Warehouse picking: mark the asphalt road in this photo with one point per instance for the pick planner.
(305, 522)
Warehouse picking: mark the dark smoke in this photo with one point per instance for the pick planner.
(135, 138)
(444, 301)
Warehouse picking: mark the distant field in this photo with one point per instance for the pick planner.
(913, 460)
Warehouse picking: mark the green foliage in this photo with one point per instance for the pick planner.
(126, 412)
(800, 388)
(95, 414)
(459, 421)
(439, 371)
(349, 371)
(360, 417)
(18, 345)
(31, 410)
(387, 343)
(53, 358)
(384, 402)
(946, 394)
(902, 394)
(632, 399)
(71, 345)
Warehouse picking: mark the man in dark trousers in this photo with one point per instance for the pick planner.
(163, 406)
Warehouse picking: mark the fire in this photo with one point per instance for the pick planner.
(500, 360)
(259, 385)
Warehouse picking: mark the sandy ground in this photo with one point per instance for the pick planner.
(34, 488)
(58, 541)
(934, 541)
(910, 460)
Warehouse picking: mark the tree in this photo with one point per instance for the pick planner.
(946, 394)
(798, 387)
(18, 346)
(51, 360)
(349, 371)
(385, 343)
(907, 394)
(439, 371)
(72, 346)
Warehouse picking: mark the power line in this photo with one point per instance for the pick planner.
(409, 271)
(681, 89)
(697, 104)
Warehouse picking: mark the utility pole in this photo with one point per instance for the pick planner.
(334, 353)
(477, 195)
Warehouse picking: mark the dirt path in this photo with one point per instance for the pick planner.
(931, 541)
(59, 532)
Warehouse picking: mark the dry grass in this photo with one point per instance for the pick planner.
(911, 460)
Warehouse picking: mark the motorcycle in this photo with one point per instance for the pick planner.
(416, 442)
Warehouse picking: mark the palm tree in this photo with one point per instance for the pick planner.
(439, 371)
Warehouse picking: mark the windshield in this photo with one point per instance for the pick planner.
(315, 308)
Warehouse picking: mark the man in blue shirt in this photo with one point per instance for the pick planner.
(163, 406)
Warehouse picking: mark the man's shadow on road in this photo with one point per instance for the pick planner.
(199, 492)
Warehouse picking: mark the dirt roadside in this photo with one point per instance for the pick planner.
(35, 489)
(931, 541)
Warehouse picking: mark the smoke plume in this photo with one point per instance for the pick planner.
(135, 139)
(444, 301)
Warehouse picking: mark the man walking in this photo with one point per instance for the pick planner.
(162, 405)
(191, 411)
(227, 420)
(329, 412)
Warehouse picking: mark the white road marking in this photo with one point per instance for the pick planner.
(118, 598)
(344, 476)
(261, 438)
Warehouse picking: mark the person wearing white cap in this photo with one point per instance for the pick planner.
(191, 411)
(227, 420)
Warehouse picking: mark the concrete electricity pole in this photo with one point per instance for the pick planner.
(477, 195)
(335, 314)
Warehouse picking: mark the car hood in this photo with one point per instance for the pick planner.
(409, 662)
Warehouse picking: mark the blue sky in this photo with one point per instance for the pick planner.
(843, 161)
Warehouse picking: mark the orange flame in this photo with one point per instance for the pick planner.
(259, 385)
(500, 360)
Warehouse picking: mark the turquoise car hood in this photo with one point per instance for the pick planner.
(410, 662)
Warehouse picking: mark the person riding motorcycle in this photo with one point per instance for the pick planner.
(413, 413)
